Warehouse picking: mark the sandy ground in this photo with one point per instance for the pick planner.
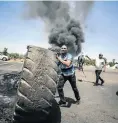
(98, 104)
(16, 60)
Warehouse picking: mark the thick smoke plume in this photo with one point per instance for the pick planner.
(58, 20)
(71, 36)
(81, 10)
(52, 12)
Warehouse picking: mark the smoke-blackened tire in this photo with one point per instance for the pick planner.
(36, 103)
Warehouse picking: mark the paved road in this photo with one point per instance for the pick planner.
(10, 67)
(98, 104)
(92, 69)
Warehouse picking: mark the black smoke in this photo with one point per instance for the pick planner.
(71, 35)
(52, 12)
(63, 30)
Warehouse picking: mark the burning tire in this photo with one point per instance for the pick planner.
(35, 102)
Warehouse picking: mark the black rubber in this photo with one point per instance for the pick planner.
(36, 102)
(4, 59)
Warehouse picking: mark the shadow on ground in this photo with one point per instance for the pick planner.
(117, 93)
(80, 80)
(69, 101)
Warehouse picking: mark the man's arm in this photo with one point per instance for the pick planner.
(105, 60)
(104, 63)
(67, 62)
(90, 59)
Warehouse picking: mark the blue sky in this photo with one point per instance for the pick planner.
(101, 32)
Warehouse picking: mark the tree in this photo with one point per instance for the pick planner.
(14, 55)
(113, 61)
(111, 64)
(5, 51)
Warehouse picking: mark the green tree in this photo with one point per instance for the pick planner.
(111, 64)
(113, 61)
(5, 51)
(21, 56)
(14, 55)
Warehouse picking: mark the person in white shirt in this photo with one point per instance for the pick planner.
(99, 64)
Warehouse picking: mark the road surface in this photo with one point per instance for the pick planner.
(98, 104)
(10, 67)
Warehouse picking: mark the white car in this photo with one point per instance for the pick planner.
(115, 66)
(4, 57)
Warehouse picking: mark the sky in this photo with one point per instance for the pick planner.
(16, 32)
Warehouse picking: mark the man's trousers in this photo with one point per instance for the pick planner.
(72, 81)
(98, 72)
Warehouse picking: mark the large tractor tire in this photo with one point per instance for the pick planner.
(36, 102)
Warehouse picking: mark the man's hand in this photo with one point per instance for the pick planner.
(67, 63)
(57, 56)
(61, 60)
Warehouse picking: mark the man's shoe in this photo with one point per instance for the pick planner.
(62, 104)
(95, 84)
(77, 102)
(102, 82)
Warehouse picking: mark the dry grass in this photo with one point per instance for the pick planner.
(16, 60)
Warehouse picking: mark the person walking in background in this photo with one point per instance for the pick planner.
(99, 66)
(81, 61)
